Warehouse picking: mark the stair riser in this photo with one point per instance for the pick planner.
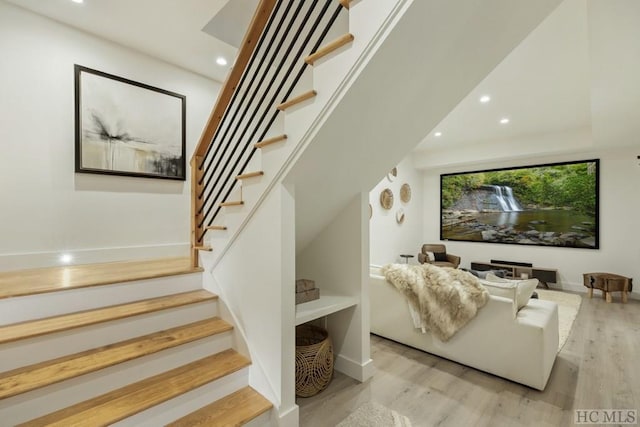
(48, 399)
(25, 352)
(13, 310)
(265, 420)
(182, 405)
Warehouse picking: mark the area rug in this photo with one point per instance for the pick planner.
(568, 306)
(372, 414)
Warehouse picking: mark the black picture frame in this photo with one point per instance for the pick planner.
(551, 205)
(128, 128)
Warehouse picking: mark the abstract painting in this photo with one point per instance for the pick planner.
(128, 128)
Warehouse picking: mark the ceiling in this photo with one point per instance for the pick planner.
(543, 86)
(171, 30)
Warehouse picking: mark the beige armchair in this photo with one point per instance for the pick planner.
(451, 260)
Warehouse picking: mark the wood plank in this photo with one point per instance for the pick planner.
(345, 3)
(232, 203)
(203, 248)
(217, 227)
(51, 279)
(53, 371)
(196, 205)
(34, 328)
(328, 48)
(249, 175)
(270, 141)
(235, 409)
(134, 398)
(297, 100)
(258, 23)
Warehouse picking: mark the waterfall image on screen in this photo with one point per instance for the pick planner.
(546, 205)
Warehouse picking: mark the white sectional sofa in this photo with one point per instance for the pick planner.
(517, 345)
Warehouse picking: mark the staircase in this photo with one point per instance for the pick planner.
(130, 344)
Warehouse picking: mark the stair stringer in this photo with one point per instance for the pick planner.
(255, 280)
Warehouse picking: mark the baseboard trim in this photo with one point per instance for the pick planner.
(356, 370)
(27, 260)
(290, 417)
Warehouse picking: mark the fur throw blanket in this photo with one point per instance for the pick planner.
(445, 299)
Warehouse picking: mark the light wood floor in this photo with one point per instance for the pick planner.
(599, 367)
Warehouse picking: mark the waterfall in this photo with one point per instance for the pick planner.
(504, 195)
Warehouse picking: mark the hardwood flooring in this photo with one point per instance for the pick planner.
(597, 368)
(41, 280)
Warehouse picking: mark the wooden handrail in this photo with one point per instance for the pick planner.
(258, 23)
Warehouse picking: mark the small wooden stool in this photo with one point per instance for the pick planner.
(607, 283)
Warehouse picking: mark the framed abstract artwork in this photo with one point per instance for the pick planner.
(123, 127)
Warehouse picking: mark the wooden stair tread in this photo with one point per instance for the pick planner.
(232, 203)
(203, 248)
(34, 328)
(216, 227)
(328, 48)
(249, 175)
(296, 100)
(235, 409)
(134, 398)
(270, 141)
(42, 374)
(51, 279)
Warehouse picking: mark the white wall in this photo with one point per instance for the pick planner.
(388, 239)
(338, 261)
(619, 236)
(256, 280)
(46, 207)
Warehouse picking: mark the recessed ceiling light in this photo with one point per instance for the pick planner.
(221, 61)
(77, 1)
(438, 134)
(485, 98)
(504, 120)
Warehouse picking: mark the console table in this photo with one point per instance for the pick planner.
(544, 275)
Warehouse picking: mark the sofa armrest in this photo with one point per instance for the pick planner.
(422, 258)
(454, 259)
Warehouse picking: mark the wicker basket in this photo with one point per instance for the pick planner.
(314, 360)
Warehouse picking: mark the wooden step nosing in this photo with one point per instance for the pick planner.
(215, 411)
(216, 227)
(232, 203)
(270, 141)
(329, 48)
(96, 359)
(62, 271)
(65, 322)
(203, 248)
(297, 100)
(249, 175)
(181, 380)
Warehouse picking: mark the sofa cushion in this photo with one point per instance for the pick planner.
(523, 288)
(440, 256)
(431, 256)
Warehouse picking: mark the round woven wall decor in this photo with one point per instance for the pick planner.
(400, 216)
(393, 173)
(386, 198)
(405, 193)
(314, 360)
